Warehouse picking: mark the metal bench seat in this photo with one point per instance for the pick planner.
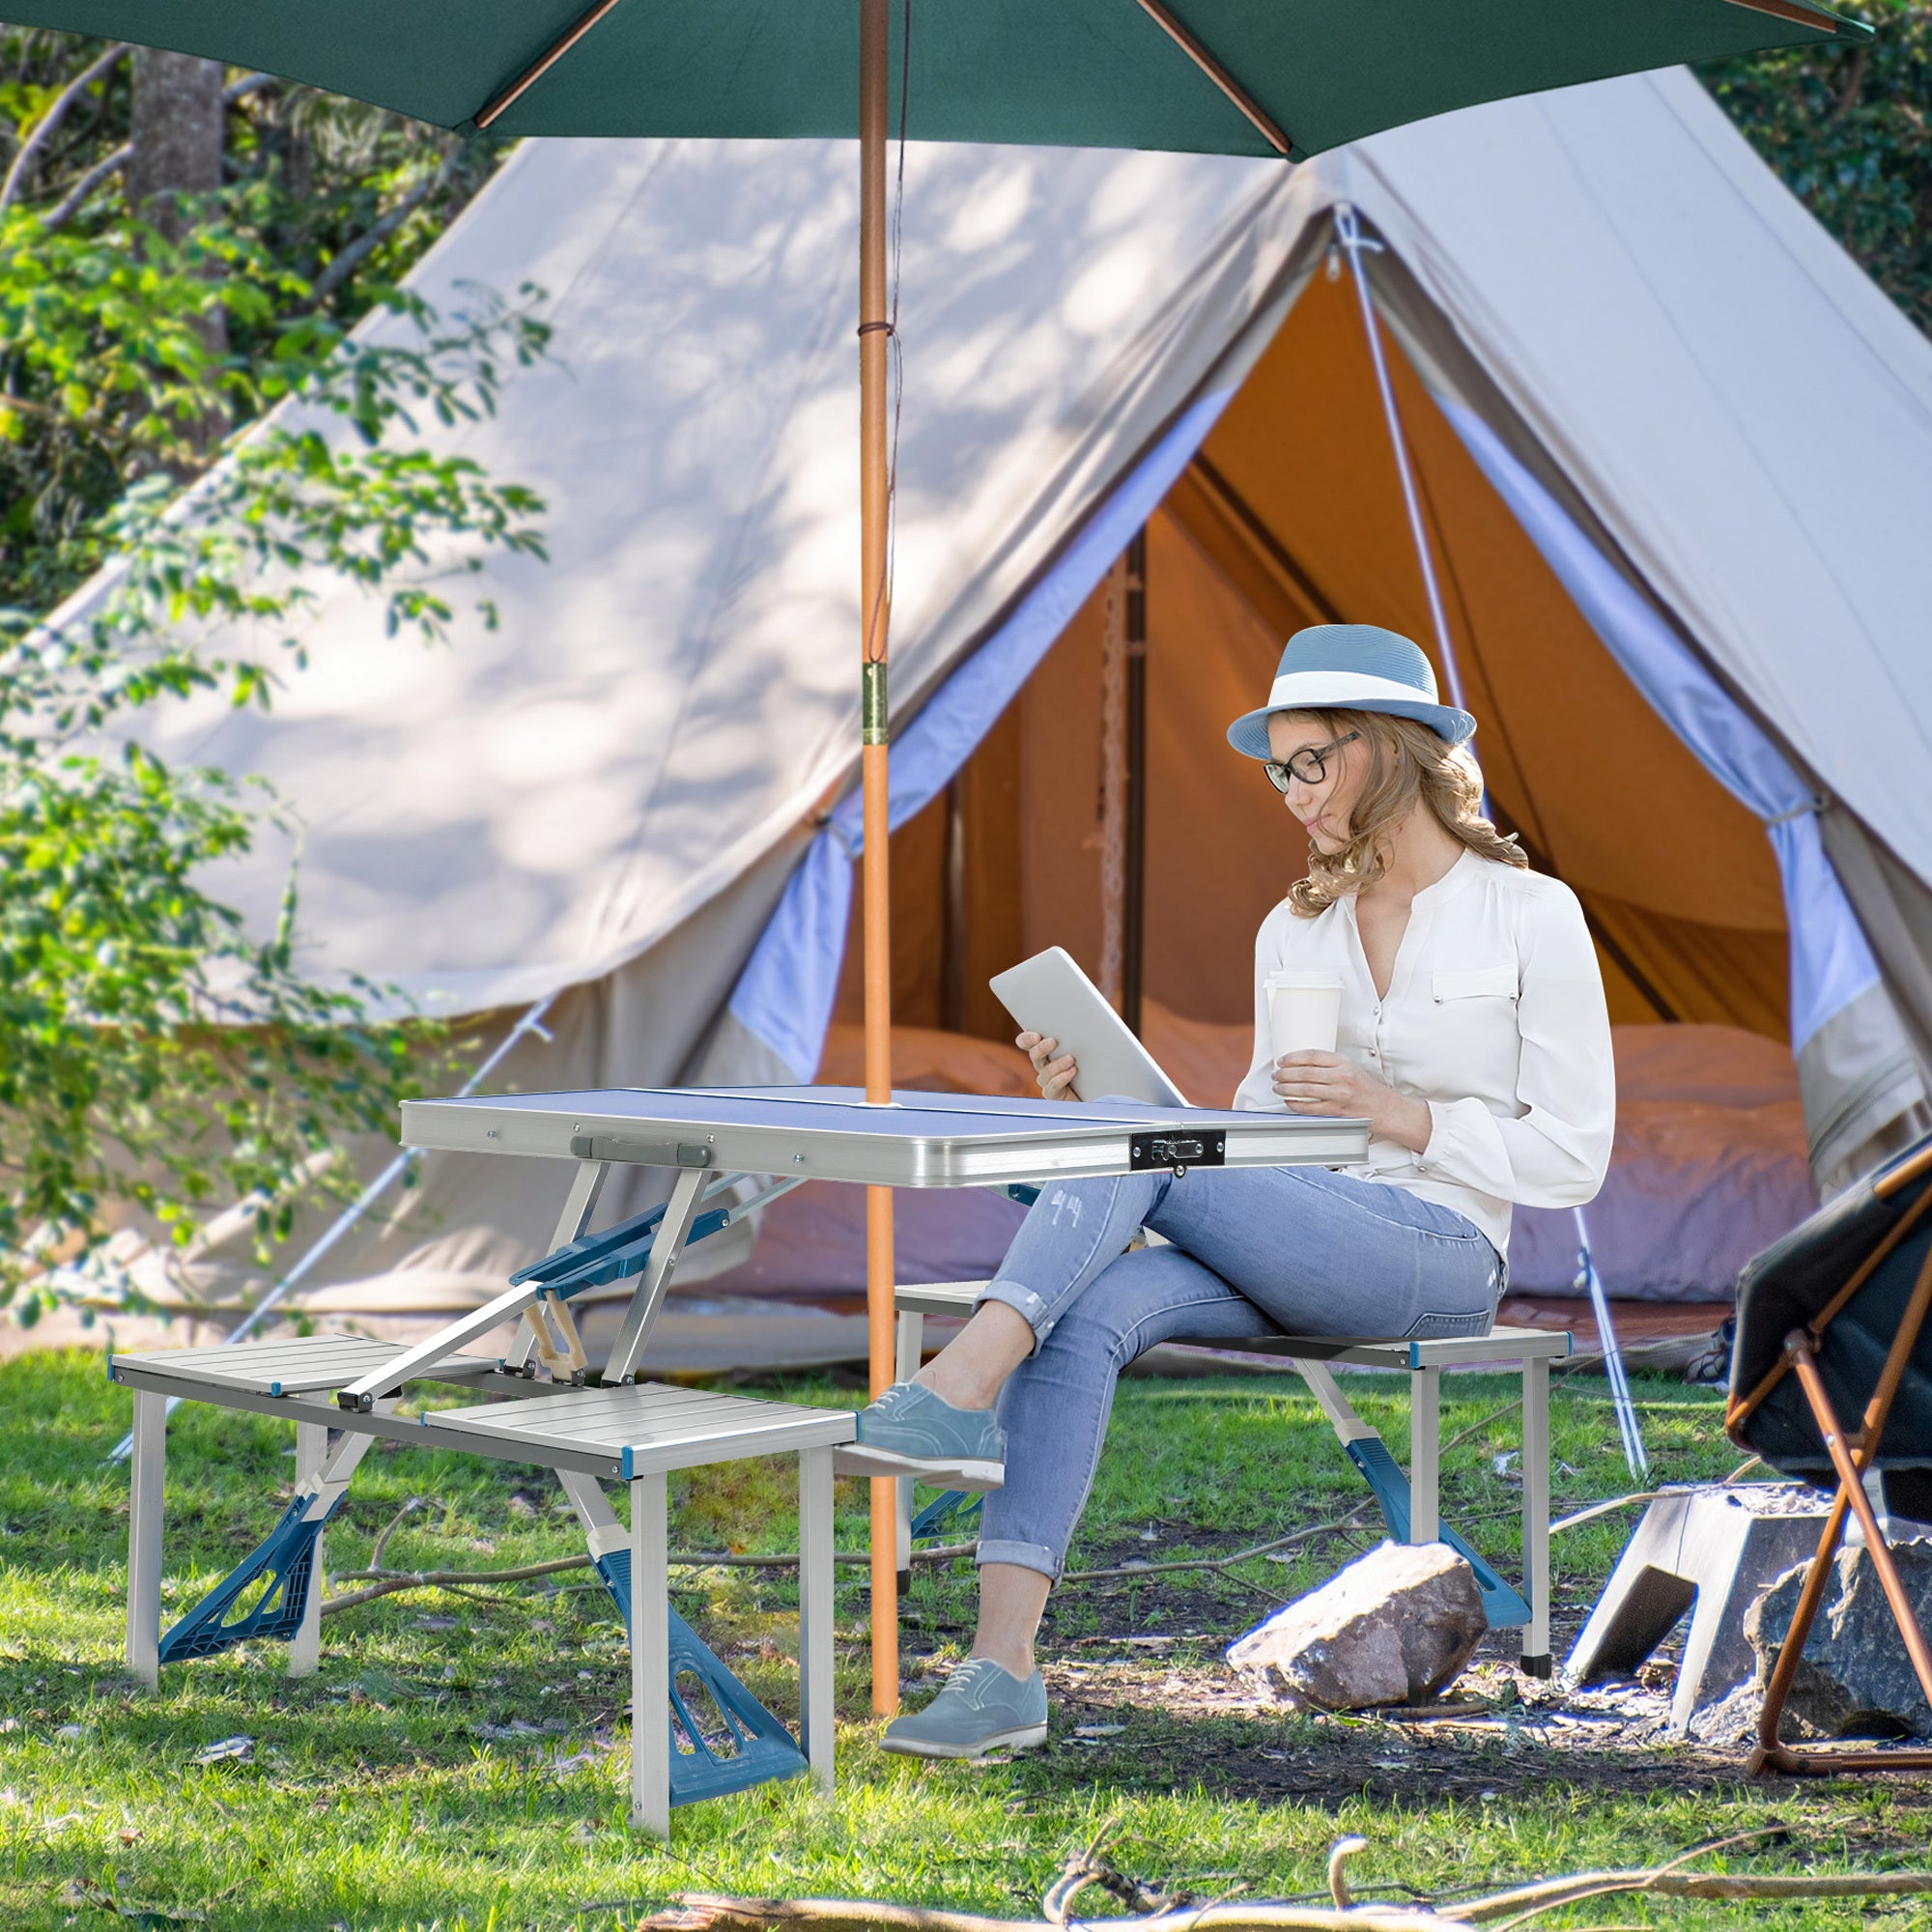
(1410, 1503)
(636, 1435)
(295, 1365)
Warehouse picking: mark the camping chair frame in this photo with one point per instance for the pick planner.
(1853, 1452)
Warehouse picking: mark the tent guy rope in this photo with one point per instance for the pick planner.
(1354, 244)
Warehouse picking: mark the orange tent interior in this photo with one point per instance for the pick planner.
(1291, 514)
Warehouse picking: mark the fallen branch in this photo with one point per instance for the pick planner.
(387, 1582)
(1591, 1511)
(1300, 1536)
(440, 1580)
(711, 1912)
(1668, 1884)
(1462, 1436)
(708, 1912)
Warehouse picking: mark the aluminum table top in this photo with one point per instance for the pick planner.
(833, 1133)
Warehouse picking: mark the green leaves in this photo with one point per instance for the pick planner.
(1848, 129)
(156, 1059)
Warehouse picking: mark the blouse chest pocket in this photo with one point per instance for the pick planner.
(1475, 983)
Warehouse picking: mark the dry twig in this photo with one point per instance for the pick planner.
(1088, 1867)
(388, 1530)
(1339, 1855)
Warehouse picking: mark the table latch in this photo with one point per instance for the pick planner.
(1207, 1147)
(643, 1153)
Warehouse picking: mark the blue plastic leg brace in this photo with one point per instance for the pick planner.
(759, 1747)
(942, 1510)
(287, 1556)
(1501, 1605)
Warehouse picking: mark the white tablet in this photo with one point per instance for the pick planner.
(1049, 994)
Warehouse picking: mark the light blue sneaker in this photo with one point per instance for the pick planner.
(981, 1706)
(911, 1432)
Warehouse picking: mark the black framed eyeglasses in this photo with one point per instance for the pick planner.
(1310, 764)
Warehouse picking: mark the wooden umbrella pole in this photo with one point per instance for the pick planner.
(875, 509)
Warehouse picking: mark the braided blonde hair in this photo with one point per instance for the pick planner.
(1407, 763)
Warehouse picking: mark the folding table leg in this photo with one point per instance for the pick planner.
(144, 1538)
(650, 1656)
(911, 1344)
(1425, 1454)
(814, 1613)
(1536, 1513)
(1393, 1491)
(305, 1646)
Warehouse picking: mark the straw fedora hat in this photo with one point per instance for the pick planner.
(1353, 667)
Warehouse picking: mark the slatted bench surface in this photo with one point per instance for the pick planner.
(288, 1365)
(1499, 1345)
(642, 1428)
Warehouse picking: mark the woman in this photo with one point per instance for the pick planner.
(1473, 1039)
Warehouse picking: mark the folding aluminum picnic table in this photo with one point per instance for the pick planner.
(551, 1408)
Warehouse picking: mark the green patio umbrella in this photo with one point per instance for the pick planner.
(1265, 77)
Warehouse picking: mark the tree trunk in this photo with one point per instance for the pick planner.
(179, 127)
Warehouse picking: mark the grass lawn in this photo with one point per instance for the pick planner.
(396, 1789)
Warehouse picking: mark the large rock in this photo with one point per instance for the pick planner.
(1855, 1678)
(1393, 1628)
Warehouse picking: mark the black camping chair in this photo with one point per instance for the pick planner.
(1832, 1324)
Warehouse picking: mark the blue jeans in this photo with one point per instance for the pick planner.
(1256, 1251)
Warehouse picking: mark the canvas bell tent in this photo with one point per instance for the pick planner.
(1673, 462)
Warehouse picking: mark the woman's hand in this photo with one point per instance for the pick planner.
(1055, 1070)
(1333, 1085)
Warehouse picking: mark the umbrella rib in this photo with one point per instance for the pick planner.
(1792, 10)
(509, 96)
(1257, 117)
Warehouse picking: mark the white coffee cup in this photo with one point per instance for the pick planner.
(1304, 1009)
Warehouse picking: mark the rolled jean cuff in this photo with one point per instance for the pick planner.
(1022, 1556)
(1024, 1303)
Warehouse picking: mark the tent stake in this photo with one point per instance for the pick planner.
(875, 607)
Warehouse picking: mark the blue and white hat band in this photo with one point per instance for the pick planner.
(1351, 667)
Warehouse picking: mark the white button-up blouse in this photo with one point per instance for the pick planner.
(1494, 1016)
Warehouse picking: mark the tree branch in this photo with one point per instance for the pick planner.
(249, 83)
(372, 238)
(52, 118)
(71, 202)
